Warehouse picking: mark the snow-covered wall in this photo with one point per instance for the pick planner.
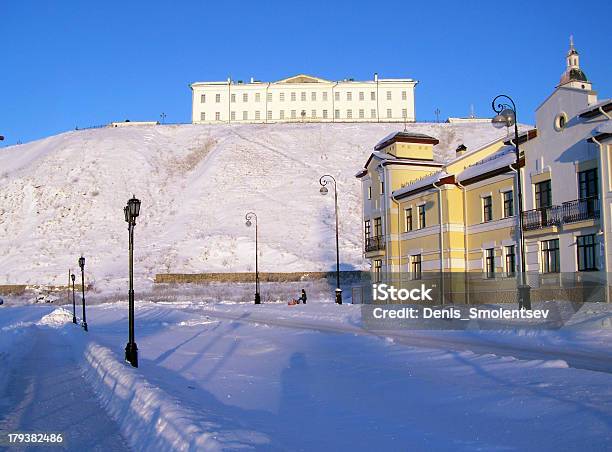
(64, 195)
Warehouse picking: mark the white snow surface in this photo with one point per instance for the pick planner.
(64, 195)
(307, 377)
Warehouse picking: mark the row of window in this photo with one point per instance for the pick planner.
(509, 264)
(585, 249)
(303, 96)
(507, 210)
(415, 267)
(550, 258)
(421, 218)
(587, 188)
(314, 114)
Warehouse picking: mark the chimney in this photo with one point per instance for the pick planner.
(375, 76)
(461, 149)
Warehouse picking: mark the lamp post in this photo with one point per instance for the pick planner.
(324, 180)
(82, 265)
(248, 217)
(506, 116)
(74, 319)
(131, 212)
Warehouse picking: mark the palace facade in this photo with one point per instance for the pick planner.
(423, 214)
(303, 98)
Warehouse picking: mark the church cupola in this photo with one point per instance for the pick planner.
(573, 75)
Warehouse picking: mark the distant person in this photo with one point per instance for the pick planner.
(303, 297)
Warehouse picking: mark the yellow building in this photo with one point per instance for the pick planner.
(422, 214)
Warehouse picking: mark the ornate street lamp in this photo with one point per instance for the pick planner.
(131, 212)
(324, 180)
(506, 116)
(248, 217)
(74, 319)
(82, 265)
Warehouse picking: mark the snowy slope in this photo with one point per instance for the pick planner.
(64, 195)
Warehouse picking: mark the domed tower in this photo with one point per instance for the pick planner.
(573, 76)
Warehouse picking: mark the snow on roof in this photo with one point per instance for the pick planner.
(405, 134)
(606, 127)
(601, 103)
(420, 183)
(503, 157)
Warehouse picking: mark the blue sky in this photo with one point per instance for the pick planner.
(74, 63)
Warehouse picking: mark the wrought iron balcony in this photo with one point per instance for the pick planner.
(581, 209)
(568, 212)
(374, 243)
(541, 218)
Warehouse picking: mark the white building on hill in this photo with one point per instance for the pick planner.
(303, 98)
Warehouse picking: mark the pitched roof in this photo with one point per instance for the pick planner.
(405, 137)
(303, 78)
(504, 157)
(424, 182)
(594, 110)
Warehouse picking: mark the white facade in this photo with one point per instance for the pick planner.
(303, 99)
(564, 162)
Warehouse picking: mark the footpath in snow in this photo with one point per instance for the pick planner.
(46, 393)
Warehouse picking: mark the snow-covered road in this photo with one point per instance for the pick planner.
(208, 381)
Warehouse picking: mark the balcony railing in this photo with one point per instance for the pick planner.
(581, 209)
(568, 212)
(374, 243)
(541, 218)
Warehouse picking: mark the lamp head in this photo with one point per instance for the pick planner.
(248, 223)
(73, 277)
(134, 207)
(506, 118)
(82, 262)
(323, 190)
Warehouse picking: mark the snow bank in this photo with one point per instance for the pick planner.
(56, 319)
(148, 418)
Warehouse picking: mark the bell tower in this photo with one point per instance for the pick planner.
(573, 77)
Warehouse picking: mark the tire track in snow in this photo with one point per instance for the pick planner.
(578, 360)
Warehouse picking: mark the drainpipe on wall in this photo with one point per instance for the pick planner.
(603, 215)
(386, 229)
(465, 243)
(377, 103)
(399, 241)
(266, 112)
(193, 116)
(441, 239)
(517, 234)
(333, 95)
(229, 100)
(604, 113)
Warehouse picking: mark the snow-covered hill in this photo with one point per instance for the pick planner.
(64, 195)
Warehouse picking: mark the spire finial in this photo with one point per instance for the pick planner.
(571, 41)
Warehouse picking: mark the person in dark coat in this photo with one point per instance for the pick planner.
(303, 297)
